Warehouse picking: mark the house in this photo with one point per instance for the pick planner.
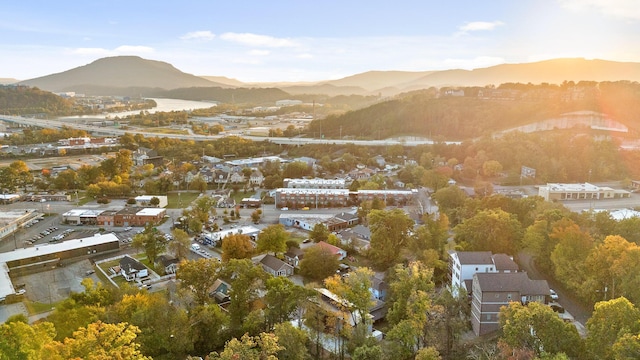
(378, 288)
(220, 291)
(350, 218)
(132, 269)
(341, 254)
(293, 256)
(362, 232)
(237, 177)
(275, 266)
(491, 291)
(256, 178)
(168, 263)
(463, 264)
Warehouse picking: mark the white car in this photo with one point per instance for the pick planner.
(554, 295)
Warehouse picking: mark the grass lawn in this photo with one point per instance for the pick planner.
(238, 196)
(182, 200)
(37, 307)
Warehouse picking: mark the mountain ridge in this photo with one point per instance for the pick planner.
(113, 74)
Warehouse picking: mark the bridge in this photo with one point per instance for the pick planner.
(111, 131)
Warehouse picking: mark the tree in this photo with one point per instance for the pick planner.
(20, 341)
(610, 322)
(208, 325)
(246, 281)
(263, 347)
(293, 342)
(152, 241)
(356, 290)
(273, 238)
(569, 255)
(318, 263)
(236, 246)
(180, 244)
(490, 230)
(536, 327)
(103, 341)
(389, 234)
(155, 201)
(319, 233)
(198, 276)
(256, 215)
(282, 299)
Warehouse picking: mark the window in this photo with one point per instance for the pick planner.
(476, 269)
(508, 296)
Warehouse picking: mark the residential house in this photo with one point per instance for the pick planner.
(463, 264)
(220, 291)
(132, 269)
(362, 232)
(275, 266)
(379, 288)
(168, 263)
(293, 256)
(491, 291)
(350, 218)
(256, 178)
(340, 253)
(237, 177)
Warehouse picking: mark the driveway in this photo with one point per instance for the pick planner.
(571, 304)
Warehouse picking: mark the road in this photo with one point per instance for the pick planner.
(580, 313)
(58, 124)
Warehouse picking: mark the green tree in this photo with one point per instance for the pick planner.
(282, 299)
(208, 327)
(152, 241)
(318, 263)
(198, 276)
(389, 235)
(20, 341)
(570, 253)
(319, 233)
(263, 347)
(180, 244)
(536, 327)
(236, 246)
(155, 201)
(449, 199)
(247, 282)
(103, 341)
(610, 322)
(273, 239)
(354, 289)
(490, 230)
(293, 342)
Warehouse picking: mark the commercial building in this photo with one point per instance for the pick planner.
(585, 191)
(314, 183)
(44, 257)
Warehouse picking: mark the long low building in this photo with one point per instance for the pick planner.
(128, 216)
(49, 255)
(585, 191)
(301, 197)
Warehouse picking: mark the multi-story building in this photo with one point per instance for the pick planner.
(314, 183)
(464, 264)
(298, 198)
(491, 291)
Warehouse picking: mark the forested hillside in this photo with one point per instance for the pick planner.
(22, 100)
(481, 111)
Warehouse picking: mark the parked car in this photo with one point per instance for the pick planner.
(554, 295)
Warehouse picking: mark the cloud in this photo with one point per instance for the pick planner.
(480, 26)
(305, 56)
(627, 9)
(259, 52)
(203, 35)
(124, 49)
(257, 40)
(91, 51)
(133, 49)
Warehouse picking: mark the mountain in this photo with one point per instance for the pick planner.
(553, 71)
(6, 81)
(223, 80)
(120, 72)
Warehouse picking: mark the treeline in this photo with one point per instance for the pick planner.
(23, 100)
(40, 136)
(232, 96)
(428, 113)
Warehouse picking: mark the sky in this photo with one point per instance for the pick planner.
(301, 40)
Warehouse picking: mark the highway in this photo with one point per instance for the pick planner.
(110, 131)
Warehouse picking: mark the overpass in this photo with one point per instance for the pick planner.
(110, 131)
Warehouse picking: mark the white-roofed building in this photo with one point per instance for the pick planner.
(46, 256)
(311, 197)
(584, 191)
(212, 238)
(145, 200)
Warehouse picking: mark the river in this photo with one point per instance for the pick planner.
(162, 105)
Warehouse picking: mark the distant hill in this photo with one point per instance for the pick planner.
(223, 80)
(119, 72)
(6, 81)
(550, 71)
